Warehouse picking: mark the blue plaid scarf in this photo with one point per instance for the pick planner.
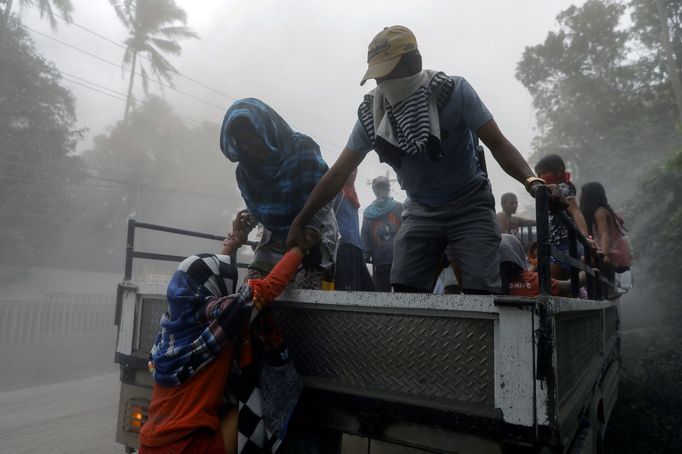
(201, 321)
(201, 317)
(276, 190)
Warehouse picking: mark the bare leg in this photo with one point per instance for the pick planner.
(228, 427)
(558, 272)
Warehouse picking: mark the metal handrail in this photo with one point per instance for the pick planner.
(597, 285)
(131, 253)
(130, 244)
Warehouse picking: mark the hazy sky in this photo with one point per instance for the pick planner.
(306, 59)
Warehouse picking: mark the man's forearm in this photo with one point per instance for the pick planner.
(504, 152)
(330, 184)
(523, 222)
(512, 162)
(326, 189)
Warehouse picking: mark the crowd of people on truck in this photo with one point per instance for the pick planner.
(217, 341)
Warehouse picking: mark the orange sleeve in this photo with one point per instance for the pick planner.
(270, 287)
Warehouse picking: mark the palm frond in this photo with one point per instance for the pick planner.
(155, 28)
(145, 79)
(178, 32)
(160, 65)
(121, 11)
(157, 13)
(166, 45)
(65, 8)
(44, 8)
(128, 55)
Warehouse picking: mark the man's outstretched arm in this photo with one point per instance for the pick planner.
(523, 222)
(511, 161)
(326, 189)
(504, 152)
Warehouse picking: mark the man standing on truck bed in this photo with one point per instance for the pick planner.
(424, 124)
(507, 221)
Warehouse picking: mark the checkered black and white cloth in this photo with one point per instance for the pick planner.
(267, 387)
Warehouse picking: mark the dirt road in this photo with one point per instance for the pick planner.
(73, 417)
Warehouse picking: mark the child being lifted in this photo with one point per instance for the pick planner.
(206, 328)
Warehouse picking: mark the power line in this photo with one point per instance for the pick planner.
(42, 180)
(157, 82)
(188, 121)
(41, 215)
(117, 44)
(123, 185)
(90, 54)
(122, 97)
(336, 151)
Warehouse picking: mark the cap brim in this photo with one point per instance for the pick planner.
(381, 69)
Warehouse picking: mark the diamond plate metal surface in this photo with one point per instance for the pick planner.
(429, 359)
(578, 338)
(150, 314)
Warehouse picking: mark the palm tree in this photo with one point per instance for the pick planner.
(154, 27)
(46, 7)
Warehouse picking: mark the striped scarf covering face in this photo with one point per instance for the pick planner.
(401, 117)
(274, 190)
(204, 314)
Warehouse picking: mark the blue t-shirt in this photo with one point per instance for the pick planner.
(349, 224)
(435, 183)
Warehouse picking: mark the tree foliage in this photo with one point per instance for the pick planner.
(45, 7)
(603, 99)
(160, 170)
(602, 88)
(647, 28)
(37, 119)
(659, 240)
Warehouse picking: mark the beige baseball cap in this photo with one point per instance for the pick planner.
(386, 49)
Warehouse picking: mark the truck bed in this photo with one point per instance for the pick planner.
(438, 373)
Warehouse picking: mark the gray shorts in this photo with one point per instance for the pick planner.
(466, 227)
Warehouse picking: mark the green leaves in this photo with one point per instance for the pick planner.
(604, 102)
(599, 99)
(37, 166)
(47, 7)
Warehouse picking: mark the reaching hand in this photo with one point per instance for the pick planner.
(306, 240)
(557, 201)
(243, 223)
(295, 236)
(244, 220)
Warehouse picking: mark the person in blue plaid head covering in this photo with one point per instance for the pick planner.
(277, 168)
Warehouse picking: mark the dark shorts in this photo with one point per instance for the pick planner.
(381, 275)
(563, 247)
(351, 270)
(467, 228)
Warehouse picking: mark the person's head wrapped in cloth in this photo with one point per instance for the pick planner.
(209, 323)
(277, 169)
(277, 166)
